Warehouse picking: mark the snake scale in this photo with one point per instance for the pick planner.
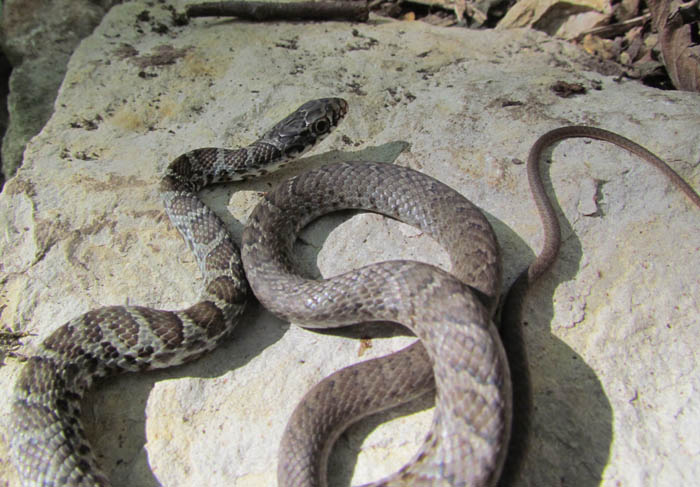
(459, 353)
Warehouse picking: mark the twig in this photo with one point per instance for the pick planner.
(613, 30)
(262, 11)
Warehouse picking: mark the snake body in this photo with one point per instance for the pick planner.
(459, 353)
(48, 443)
(459, 345)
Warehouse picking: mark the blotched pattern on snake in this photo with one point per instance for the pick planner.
(48, 443)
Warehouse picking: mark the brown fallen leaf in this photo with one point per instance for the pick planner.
(564, 89)
(676, 22)
(562, 18)
(598, 46)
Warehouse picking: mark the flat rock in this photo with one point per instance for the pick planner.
(611, 331)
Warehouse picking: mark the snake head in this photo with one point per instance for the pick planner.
(306, 126)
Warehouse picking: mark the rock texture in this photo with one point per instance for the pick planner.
(38, 36)
(612, 331)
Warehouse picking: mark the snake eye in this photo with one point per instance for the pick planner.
(321, 126)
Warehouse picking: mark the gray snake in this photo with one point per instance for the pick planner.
(459, 353)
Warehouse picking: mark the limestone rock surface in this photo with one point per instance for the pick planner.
(612, 331)
(38, 37)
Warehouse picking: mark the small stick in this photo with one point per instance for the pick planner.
(613, 30)
(262, 11)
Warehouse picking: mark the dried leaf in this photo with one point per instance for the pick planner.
(676, 23)
(597, 46)
(627, 9)
(567, 19)
(564, 89)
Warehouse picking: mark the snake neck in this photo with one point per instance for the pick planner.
(199, 168)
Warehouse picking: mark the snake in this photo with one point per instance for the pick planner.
(458, 354)
(47, 439)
